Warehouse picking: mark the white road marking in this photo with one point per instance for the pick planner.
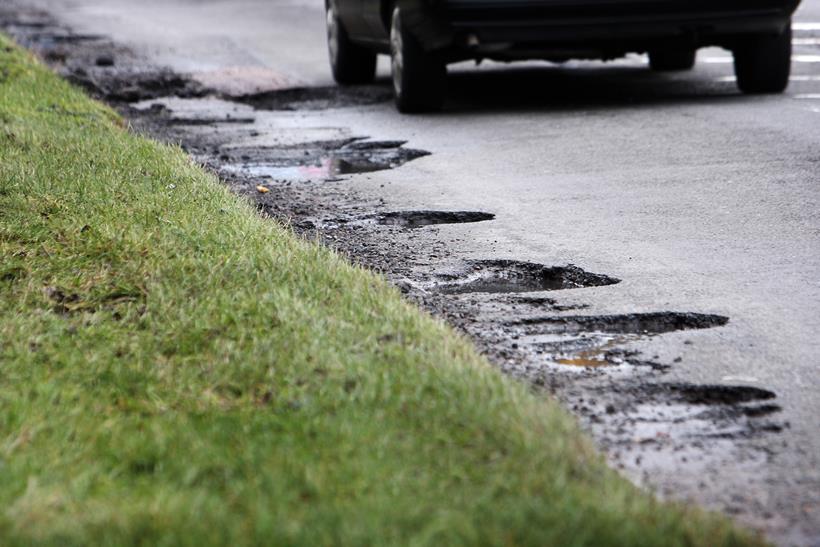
(794, 78)
(805, 25)
(795, 59)
(806, 41)
(807, 96)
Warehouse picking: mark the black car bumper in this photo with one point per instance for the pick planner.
(606, 25)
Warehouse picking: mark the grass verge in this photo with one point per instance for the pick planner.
(176, 370)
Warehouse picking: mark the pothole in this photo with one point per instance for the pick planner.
(510, 276)
(418, 219)
(714, 394)
(49, 39)
(320, 160)
(318, 98)
(714, 411)
(633, 323)
(211, 120)
(134, 86)
(595, 341)
(659, 413)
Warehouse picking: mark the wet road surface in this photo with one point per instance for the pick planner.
(689, 212)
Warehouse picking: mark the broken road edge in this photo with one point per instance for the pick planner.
(176, 367)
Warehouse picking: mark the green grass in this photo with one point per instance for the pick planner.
(176, 370)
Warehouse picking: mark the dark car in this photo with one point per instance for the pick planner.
(423, 36)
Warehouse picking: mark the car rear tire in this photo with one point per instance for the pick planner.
(350, 63)
(669, 59)
(763, 63)
(419, 78)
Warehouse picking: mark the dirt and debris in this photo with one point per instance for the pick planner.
(641, 418)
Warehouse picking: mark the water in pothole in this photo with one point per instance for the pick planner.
(319, 160)
(600, 352)
(325, 168)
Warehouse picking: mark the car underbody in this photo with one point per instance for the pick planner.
(424, 36)
(463, 30)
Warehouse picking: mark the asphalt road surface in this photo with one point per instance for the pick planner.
(698, 198)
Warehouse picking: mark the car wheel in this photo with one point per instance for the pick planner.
(669, 59)
(763, 63)
(419, 79)
(350, 63)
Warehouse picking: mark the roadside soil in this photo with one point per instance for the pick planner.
(675, 438)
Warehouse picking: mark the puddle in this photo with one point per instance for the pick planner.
(318, 98)
(509, 276)
(593, 351)
(322, 160)
(633, 323)
(587, 359)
